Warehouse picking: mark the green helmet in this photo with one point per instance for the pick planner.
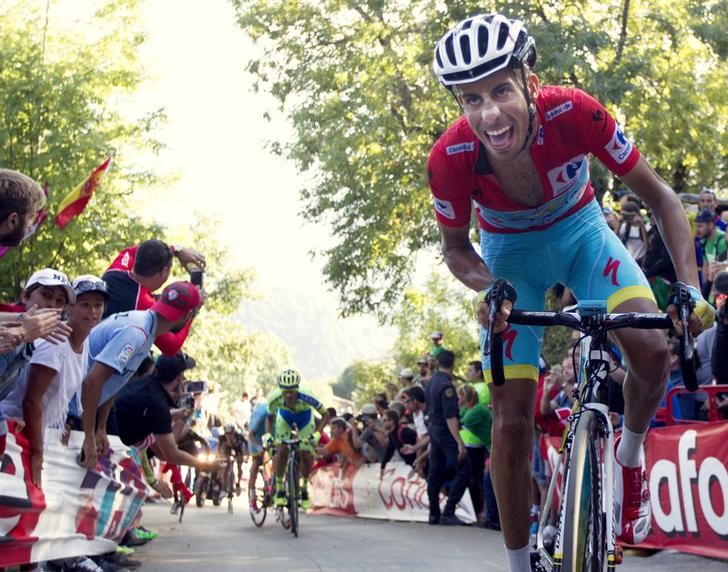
(289, 379)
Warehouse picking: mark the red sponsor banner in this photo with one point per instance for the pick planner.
(687, 470)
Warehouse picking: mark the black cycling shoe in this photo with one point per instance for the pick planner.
(434, 519)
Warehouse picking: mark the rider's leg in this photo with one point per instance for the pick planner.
(279, 462)
(306, 464)
(648, 362)
(253, 475)
(513, 408)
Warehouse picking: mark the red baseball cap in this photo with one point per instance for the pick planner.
(176, 300)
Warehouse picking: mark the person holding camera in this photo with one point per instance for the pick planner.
(147, 413)
(369, 435)
(138, 271)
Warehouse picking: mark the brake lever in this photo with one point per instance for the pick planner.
(687, 351)
(494, 302)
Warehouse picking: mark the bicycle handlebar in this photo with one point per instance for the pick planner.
(607, 322)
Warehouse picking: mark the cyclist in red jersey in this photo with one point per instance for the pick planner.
(520, 155)
(136, 272)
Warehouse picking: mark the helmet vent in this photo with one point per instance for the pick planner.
(465, 48)
(502, 36)
(450, 51)
(482, 41)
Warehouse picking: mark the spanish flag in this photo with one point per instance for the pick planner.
(77, 199)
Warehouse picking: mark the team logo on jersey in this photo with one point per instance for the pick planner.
(619, 147)
(460, 148)
(125, 260)
(558, 110)
(444, 208)
(125, 354)
(564, 177)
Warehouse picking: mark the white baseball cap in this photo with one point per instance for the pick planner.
(406, 372)
(50, 277)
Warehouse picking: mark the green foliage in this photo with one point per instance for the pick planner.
(363, 379)
(442, 305)
(354, 79)
(57, 125)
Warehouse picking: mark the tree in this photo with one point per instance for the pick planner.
(354, 80)
(442, 305)
(57, 123)
(363, 379)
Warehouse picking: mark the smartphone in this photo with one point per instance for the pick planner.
(196, 277)
(196, 387)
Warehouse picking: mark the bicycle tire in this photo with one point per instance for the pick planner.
(584, 533)
(261, 499)
(182, 505)
(292, 487)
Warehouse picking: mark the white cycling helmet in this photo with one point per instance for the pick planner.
(480, 46)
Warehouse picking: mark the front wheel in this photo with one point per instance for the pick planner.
(292, 488)
(584, 538)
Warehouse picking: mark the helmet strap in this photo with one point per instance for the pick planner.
(531, 108)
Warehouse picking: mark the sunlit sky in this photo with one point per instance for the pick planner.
(216, 135)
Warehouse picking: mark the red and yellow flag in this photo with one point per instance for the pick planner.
(77, 199)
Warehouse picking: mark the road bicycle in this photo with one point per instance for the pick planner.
(264, 493)
(292, 480)
(585, 536)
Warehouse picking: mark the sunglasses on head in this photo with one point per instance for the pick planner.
(90, 286)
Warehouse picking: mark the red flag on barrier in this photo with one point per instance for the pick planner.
(76, 201)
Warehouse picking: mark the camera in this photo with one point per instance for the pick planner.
(195, 387)
(187, 401)
(196, 276)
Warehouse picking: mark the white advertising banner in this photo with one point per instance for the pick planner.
(398, 494)
(76, 512)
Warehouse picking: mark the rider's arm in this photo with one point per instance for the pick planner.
(462, 259)
(670, 216)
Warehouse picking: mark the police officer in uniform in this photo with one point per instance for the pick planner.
(447, 450)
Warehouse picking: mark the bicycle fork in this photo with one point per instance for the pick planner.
(549, 563)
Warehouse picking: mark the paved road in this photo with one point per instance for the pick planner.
(210, 539)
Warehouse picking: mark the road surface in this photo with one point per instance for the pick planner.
(210, 539)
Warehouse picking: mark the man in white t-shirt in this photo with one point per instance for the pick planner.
(55, 371)
(414, 399)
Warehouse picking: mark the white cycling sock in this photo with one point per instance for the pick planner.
(519, 560)
(628, 451)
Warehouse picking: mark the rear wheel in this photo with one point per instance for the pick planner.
(292, 488)
(584, 536)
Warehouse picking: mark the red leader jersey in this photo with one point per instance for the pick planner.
(126, 294)
(572, 125)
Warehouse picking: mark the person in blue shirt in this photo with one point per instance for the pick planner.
(256, 430)
(116, 348)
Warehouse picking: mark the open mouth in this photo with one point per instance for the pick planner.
(500, 138)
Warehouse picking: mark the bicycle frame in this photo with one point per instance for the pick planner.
(589, 431)
(590, 376)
